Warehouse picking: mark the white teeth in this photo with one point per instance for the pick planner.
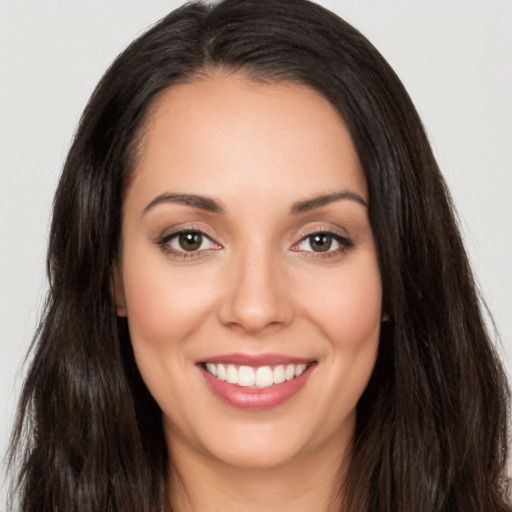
(299, 370)
(231, 374)
(212, 369)
(245, 376)
(279, 375)
(221, 372)
(262, 377)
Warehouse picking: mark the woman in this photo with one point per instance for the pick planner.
(259, 296)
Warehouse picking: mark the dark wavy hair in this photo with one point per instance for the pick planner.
(431, 433)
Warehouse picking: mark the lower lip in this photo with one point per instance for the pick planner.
(253, 398)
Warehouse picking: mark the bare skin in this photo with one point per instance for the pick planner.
(246, 231)
(299, 486)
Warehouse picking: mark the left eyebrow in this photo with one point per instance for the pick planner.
(319, 201)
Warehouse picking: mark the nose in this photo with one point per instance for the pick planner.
(256, 298)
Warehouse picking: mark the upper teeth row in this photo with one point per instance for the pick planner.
(261, 377)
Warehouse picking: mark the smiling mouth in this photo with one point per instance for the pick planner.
(260, 377)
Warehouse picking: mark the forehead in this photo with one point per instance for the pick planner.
(226, 132)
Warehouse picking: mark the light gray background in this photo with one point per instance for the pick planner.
(454, 57)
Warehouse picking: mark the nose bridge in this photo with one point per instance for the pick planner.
(256, 298)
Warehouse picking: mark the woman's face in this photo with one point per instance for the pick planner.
(248, 272)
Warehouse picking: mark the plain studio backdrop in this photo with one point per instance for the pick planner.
(454, 57)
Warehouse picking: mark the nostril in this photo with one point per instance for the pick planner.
(256, 296)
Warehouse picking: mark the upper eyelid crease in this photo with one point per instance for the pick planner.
(342, 239)
(178, 232)
(164, 243)
(328, 231)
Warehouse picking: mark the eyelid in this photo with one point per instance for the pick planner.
(163, 242)
(176, 237)
(344, 242)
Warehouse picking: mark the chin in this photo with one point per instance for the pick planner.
(258, 455)
(267, 443)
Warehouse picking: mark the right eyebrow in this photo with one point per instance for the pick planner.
(203, 203)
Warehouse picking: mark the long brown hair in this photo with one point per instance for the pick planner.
(431, 432)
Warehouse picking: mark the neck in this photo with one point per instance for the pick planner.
(309, 482)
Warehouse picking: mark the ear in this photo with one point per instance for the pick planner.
(117, 290)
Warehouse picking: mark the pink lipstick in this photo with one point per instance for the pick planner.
(256, 382)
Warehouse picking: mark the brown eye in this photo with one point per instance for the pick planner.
(323, 242)
(320, 242)
(190, 241)
(185, 242)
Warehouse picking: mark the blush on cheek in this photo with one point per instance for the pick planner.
(147, 317)
(351, 311)
(164, 309)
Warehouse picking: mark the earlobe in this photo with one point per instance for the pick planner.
(117, 290)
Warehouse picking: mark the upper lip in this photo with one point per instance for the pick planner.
(255, 360)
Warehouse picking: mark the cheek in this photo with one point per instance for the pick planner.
(165, 308)
(163, 305)
(348, 313)
(348, 305)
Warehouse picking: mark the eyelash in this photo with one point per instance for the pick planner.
(344, 242)
(164, 243)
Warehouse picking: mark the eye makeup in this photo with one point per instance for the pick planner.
(189, 242)
(192, 242)
(323, 243)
